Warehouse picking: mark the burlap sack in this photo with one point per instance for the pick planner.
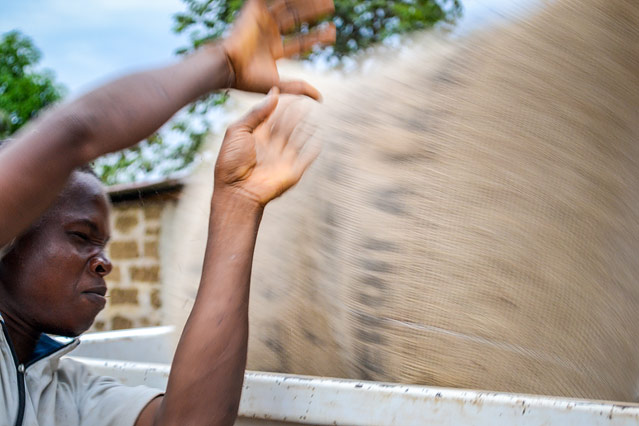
(473, 220)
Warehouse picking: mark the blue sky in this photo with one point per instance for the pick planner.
(87, 41)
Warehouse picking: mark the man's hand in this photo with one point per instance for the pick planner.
(256, 42)
(262, 154)
(261, 157)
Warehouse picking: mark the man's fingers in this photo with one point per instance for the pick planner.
(304, 42)
(290, 14)
(306, 157)
(299, 87)
(282, 105)
(260, 113)
(286, 123)
(303, 133)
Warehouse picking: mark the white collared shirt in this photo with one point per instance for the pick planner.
(50, 391)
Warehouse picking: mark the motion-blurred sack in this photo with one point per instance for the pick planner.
(473, 220)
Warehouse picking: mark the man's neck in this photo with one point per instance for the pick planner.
(23, 337)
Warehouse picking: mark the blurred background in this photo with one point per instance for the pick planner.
(472, 222)
(56, 50)
(52, 51)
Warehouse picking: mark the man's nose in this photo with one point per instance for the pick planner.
(101, 265)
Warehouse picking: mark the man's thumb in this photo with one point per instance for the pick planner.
(260, 113)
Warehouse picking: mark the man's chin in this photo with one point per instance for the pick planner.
(69, 331)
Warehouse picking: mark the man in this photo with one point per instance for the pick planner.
(52, 273)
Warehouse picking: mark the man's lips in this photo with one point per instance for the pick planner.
(96, 296)
(99, 290)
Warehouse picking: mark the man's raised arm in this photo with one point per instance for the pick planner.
(261, 157)
(35, 166)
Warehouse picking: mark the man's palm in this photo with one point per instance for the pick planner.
(262, 154)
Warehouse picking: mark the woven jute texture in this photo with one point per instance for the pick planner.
(473, 220)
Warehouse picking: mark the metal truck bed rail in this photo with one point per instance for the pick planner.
(280, 399)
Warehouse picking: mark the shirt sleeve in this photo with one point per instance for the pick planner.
(103, 401)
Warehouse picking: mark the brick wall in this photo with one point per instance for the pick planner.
(134, 298)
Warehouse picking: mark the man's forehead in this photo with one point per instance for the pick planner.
(82, 184)
(82, 193)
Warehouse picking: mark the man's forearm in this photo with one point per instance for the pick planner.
(112, 117)
(130, 109)
(207, 372)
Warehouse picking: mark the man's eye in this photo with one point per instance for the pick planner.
(80, 235)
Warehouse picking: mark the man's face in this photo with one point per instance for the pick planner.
(53, 279)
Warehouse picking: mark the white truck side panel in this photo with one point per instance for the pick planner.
(289, 399)
(280, 399)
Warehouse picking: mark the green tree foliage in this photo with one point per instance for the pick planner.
(23, 90)
(360, 24)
